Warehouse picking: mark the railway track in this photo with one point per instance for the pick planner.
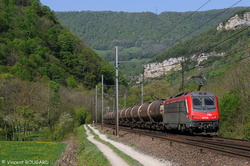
(224, 145)
(228, 146)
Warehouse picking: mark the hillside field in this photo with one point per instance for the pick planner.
(30, 153)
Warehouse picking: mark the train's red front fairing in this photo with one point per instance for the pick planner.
(203, 113)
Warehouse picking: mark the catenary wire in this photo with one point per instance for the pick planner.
(176, 25)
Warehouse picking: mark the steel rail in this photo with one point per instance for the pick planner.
(233, 148)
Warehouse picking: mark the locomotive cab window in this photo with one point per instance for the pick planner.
(197, 101)
(209, 101)
(204, 101)
(201, 103)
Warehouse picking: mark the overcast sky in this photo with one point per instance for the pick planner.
(155, 6)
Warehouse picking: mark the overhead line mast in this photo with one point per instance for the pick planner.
(116, 90)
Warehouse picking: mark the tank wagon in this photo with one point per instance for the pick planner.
(193, 112)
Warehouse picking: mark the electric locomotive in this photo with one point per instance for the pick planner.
(193, 112)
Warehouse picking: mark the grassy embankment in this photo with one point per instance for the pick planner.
(88, 153)
(30, 152)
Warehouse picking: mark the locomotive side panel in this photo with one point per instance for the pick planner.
(184, 119)
(175, 114)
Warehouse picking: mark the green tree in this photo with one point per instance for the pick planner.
(71, 82)
(4, 26)
(229, 108)
(247, 131)
(82, 116)
(25, 118)
(157, 90)
(64, 43)
(56, 87)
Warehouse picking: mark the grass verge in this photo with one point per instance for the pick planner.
(124, 156)
(88, 153)
(30, 152)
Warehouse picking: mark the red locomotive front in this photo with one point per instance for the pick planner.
(194, 111)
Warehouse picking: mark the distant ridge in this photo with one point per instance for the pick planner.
(104, 30)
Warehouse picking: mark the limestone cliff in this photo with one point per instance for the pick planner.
(235, 22)
(158, 69)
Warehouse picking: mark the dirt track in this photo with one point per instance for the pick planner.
(113, 158)
(144, 159)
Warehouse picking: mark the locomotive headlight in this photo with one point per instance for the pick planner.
(195, 117)
(214, 117)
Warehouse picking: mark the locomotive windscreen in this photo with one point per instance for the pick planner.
(209, 101)
(201, 103)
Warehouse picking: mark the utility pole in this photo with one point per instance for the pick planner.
(142, 84)
(96, 104)
(182, 73)
(48, 109)
(116, 90)
(102, 102)
(142, 93)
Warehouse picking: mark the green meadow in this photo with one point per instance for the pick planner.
(30, 153)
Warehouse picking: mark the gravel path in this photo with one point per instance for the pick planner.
(142, 158)
(113, 158)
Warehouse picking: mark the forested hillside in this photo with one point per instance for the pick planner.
(34, 45)
(145, 34)
(44, 71)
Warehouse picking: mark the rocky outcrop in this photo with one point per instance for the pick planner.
(235, 22)
(204, 56)
(157, 69)
(152, 70)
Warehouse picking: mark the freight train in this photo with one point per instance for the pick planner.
(191, 112)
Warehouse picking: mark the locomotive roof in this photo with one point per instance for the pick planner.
(195, 93)
(202, 93)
